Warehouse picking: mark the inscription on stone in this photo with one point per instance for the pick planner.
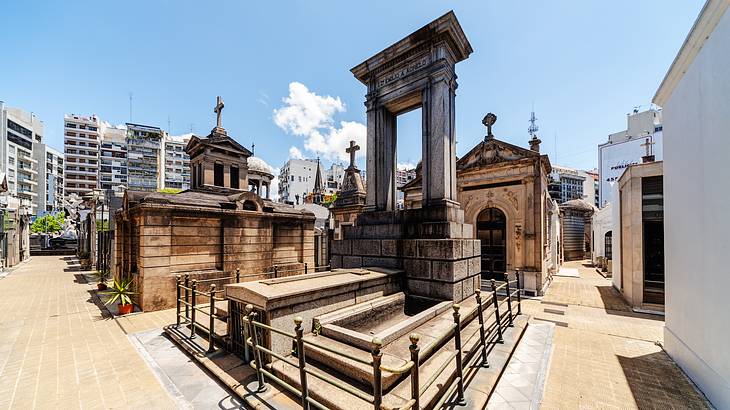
(397, 75)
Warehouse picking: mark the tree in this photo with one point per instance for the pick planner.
(47, 223)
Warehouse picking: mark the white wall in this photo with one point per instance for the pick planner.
(616, 240)
(602, 222)
(697, 222)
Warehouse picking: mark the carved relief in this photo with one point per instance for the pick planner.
(512, 197)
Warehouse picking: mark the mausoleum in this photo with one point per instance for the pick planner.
(210, 230)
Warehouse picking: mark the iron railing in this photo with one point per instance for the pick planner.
(189, 305)
(488, 334)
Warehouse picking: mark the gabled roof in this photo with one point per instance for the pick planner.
(218, 140)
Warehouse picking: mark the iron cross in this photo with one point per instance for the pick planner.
(352, 150)
(219, 109)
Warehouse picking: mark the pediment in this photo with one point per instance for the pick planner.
(222, 142)
(493, 151)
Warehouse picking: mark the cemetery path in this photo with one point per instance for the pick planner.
(58, 350)
(604, 355)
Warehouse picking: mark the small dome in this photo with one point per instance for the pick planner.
(578, 204)
(256, 164)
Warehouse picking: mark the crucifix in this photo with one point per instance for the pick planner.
(488, 121)
(218, 110)
(648, 145)
(352, 150)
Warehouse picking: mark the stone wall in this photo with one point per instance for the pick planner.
(158, 243)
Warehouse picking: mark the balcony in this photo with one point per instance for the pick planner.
(27, 170)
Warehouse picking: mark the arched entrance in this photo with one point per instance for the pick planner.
(491, 230)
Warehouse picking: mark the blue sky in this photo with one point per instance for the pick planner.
(583, 64)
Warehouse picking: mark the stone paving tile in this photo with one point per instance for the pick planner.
(59, 350)
(607, 357)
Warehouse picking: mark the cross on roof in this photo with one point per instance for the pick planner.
(648, 145)
(218, 110)
(488, 121)
(352, 150)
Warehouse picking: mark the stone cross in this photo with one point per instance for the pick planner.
(218, 109)
(352, 150)
(648, 145)
(488, 121)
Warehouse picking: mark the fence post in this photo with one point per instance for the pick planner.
(306, 270)
(211, 327)
(300, 355)
(178, 282)
(415, 382)
(509, 299)
(482, 336)
(238, 275)
(187, 297)
(457, 345)
(519, 292)
(194, 286)
(377, 373)
(276, 271)
(256, 352)
(496, 313)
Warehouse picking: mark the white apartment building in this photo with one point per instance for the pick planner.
(51, 176)
(402, 177)
(20, 132)
(568, 183)
(297, 176)
(695, 96)
(177, 162)
(113, 158)
(627, 148)
(81, 152)
(145, 145)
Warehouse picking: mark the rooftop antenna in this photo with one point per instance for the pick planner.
(130, 107)
(532, 129)
(169, 125)
(556, 147)
(253, 148)
(191, 127)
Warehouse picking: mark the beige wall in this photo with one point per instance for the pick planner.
(631, 230)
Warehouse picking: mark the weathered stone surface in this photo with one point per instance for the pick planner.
(364, 247)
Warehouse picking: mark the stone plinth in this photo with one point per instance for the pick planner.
(311, 295)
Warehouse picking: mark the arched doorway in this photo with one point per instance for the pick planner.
(491, 230)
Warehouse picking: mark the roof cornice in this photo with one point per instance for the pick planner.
(711, 13)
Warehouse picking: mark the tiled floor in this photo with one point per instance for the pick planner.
(605, 356)
(522, 383)
(57, 349)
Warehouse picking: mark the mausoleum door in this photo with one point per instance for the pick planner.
(491, 230)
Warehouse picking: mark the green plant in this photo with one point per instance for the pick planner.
(102, 276)
(121, 292)
(47, 224)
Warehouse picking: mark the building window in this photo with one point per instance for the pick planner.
(234, 177)
(218, 174)
(608, 248)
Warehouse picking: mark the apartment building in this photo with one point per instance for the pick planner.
(177, 162)
(113, 158)
(20, 132)
(50, 179)
(332, 178)
(566, 183)
(144, 157)
(81, 151)
(297, 177)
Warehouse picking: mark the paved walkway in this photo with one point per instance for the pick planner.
(57, 350)
(604, 355)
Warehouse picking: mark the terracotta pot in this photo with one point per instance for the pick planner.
(125, 309)
(101, 286)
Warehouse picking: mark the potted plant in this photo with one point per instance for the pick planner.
(121, 292)
(102, 277)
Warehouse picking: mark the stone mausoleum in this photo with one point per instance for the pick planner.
(210, 230)
(503, 191)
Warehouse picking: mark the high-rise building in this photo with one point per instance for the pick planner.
(402, 177)
(81, 153)
(20, 133)
(566, 183)
(144, 157)
(113, 158)
(296, 180)
(51, 176)
(332, 178)
(643, 136)
(177, 162)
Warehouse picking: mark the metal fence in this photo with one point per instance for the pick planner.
(492, 319)
(192, 300)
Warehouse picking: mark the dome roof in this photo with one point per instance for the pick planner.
(256, 164)
(578, 204)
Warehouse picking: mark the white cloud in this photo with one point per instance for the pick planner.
(295, 153)
(311, 116)
(274, 187)
(406, 166)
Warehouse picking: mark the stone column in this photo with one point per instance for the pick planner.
(381, 160)
(439, 146)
